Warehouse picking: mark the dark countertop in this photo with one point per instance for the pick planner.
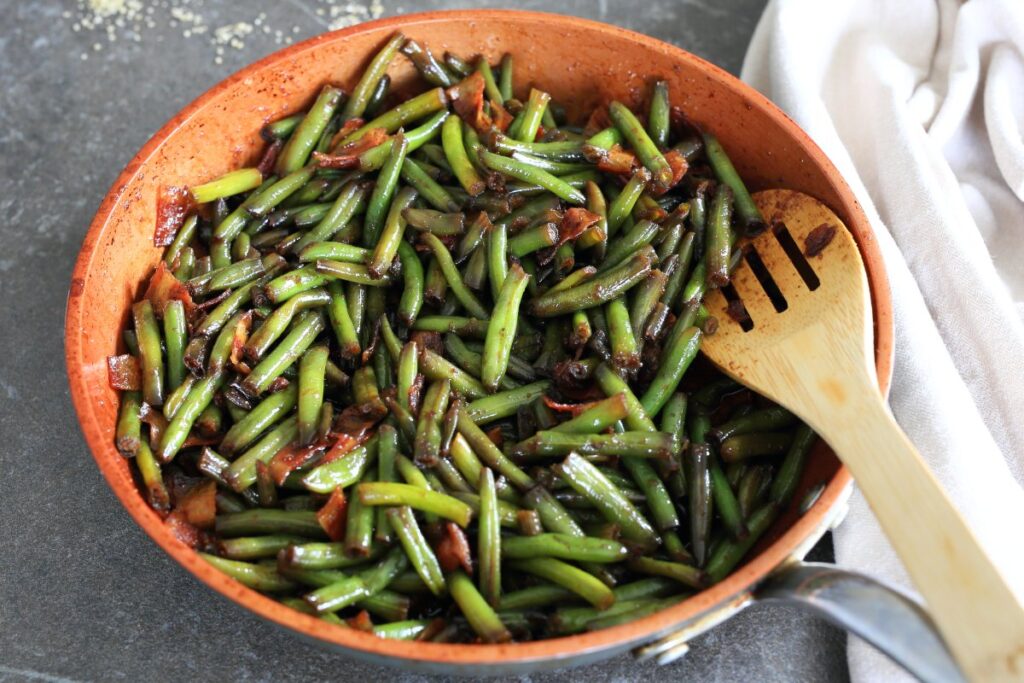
(84, 595)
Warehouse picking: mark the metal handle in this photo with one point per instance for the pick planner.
(883, 616)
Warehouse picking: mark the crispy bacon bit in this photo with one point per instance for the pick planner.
(241, 336)
(333, 515)
(164, 287)
(360, 622)
(269, 158)
(279, 384)
(415, 393)
(496, 436)
(453, 549)
(124, 372)
(347, 128)
(618, 161)
(574, 223)
(467, 98)
(736, 311)
(199, 504)
(598, 121)
(355, 422)
(173, 204)
(427, 340)
(500, 118)
(679, 167)
(185, 531)
(156, 421)
(291, 458)
(574, 409)
(818, 239)
(347, 156)
(573, 379)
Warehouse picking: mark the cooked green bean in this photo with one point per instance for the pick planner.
(349, 331)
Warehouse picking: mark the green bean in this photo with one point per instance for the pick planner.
(175, 339)
(359, 524)
(128, 434)
(451, 274)
(430, 69)
(317, 556)
(752, 487)
(349, 272)
(412, 292)
(533, 239)
(264, 200)
(624, 346)
(719, 238)
(755, 444)
(481, 617)
(442, 505)
(647, 151)
(186, 261)
(475, 272)
(621, 207)
(411, 110)
(541, 595)
(792, 466)
(357, 104)
(700, 494)
(491, 89)
(598, 290)
(242, 472)
(384, 190)
(373, 158)
(505, 80)
(645, 299)
(435, 286)
(402, 630)
(427, 445)
(675, 284)
(342, 472)
(391, 237)
(503, 404)
(436, 222)
(562, 150)
(725, 501)
(150, 351)
(455, 151)
(750, 216)
(489, 542)
(287, 285)
(640, 235)
(529, 174)
(336, 596)
(415, 545)
(502, 329)
(194, 404)
(658, 501)
(490, 454)
(536, 105)
(729, 553)
(306, 134)
(627, 444)
(355, 299)
(569, 577)
(256, 547)
(566, 547)
(265, 579)
(597, 418)
(157, 495)
(675, 359)
(438, 197)
(407, 372)
(305, 330)
(659, 115)
(312, 369)
(181, 241)
(336, 251)
(209, 421)
(765, 420)
(341, 321)
(587, 480)
(298, 522)
(436, 367)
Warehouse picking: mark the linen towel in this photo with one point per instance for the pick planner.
(920, 104)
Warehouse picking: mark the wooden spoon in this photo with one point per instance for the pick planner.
(806, 343)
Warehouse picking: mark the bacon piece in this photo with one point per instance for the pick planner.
(467, 98)
(453, 549)
(124, 373)
(199, 504)
(164, 287)
(347, 156)
(173, 203)
(333, 515)
(574, 223)
(291, 458)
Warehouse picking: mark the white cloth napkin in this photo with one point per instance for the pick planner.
(920, 104)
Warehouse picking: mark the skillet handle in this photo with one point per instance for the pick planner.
(885, 617)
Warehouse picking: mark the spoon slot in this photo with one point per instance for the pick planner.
(735, 308)
(796, 256)
(764, 277)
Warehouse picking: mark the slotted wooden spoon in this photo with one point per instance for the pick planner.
(810, 349)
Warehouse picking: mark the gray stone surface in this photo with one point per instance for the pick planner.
(84, 595)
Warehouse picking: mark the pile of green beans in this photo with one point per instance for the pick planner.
(431, 368)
